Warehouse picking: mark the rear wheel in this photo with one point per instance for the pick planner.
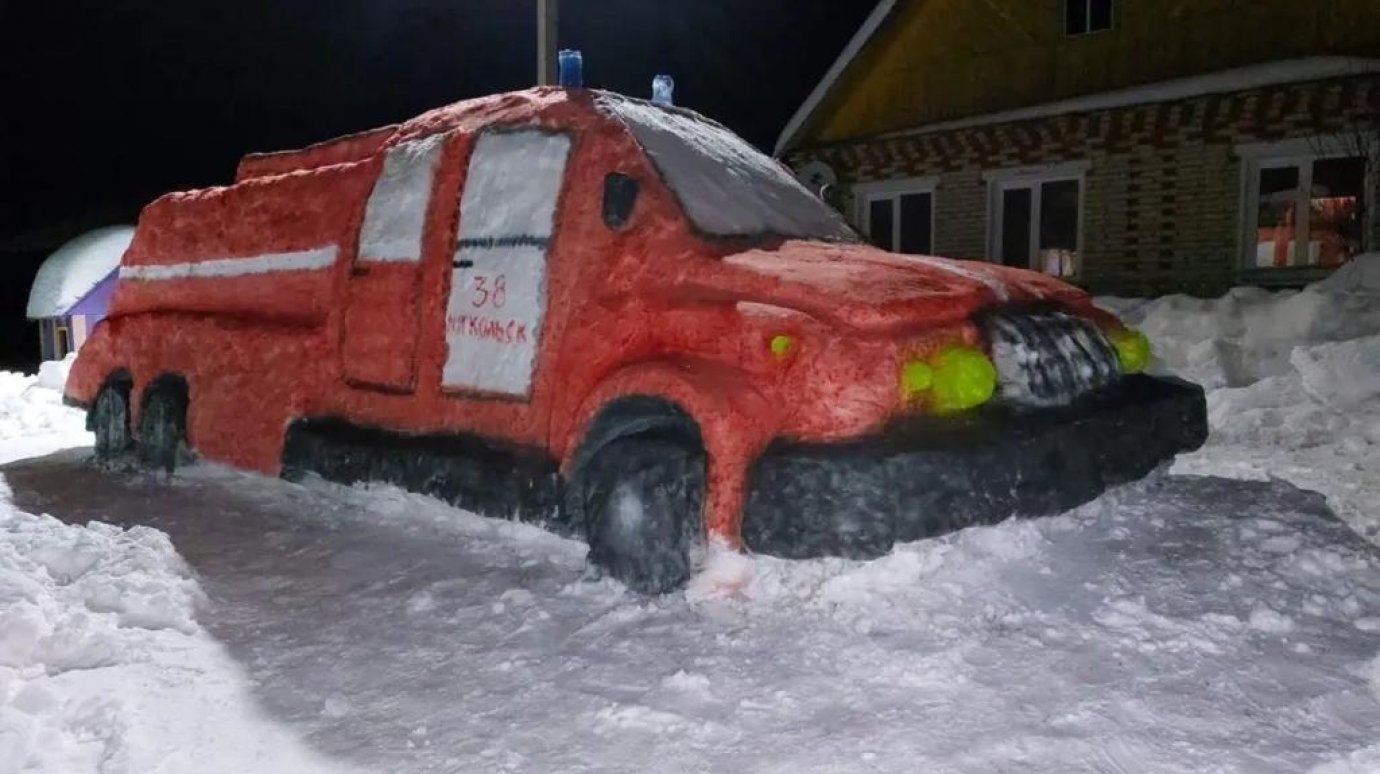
(109, 420)
(642, 501)
(163, 427)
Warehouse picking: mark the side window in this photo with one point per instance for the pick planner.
(396, 213)
(497, 302)
(620, 197)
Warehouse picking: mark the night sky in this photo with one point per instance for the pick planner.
(108, 103)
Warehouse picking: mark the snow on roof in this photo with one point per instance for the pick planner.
(1315, 68)
(75, 269)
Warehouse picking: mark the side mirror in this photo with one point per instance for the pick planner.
(620, 197)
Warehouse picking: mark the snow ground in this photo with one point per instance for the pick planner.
(1189, 624)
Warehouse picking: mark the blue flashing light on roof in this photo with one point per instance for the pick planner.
(663, 90)
(572, 68)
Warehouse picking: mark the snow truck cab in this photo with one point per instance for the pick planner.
(619, 320)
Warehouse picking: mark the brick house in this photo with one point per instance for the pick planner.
(1131, 146)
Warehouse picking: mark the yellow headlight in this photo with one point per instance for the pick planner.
(782, 345)
(1132, 349)
(916, 377)
(957, 378)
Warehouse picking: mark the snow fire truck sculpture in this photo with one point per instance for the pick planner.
(619, 320)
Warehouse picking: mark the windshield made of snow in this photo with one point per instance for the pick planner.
(726, 187)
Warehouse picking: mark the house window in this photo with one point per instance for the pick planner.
(1305, 203)
(1036, 218)
(1084, 16)
(898, 215)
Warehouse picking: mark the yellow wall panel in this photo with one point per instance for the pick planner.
(946, 59)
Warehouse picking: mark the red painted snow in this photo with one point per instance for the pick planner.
(651, 309)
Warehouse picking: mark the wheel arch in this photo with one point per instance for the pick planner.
(166, 383)
(170, 382)
(118, 378)
(707, 401)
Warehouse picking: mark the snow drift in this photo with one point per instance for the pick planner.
(33, 420)
(103, 667)
(1292, 380)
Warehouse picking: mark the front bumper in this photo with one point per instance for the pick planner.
(928, 476)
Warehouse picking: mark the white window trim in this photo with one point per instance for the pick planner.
(1001, 180)
(1299, 152)
(866, 193)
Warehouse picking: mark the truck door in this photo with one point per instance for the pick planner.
(497, 301)
(378, 345)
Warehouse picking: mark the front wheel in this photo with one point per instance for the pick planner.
(642, 505)
(110, 422)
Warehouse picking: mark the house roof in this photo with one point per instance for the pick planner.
(1268, 73)
(874, 23)
(1302, 70)
(75, 269)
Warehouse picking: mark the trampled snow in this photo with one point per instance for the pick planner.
(1182, 625)
(1185, 624)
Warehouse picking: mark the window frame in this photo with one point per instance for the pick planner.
(864, 194)
(999, 181)
(1087, 18)
(62, 338)
(1299, 153)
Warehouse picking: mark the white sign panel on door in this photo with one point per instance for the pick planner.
(498, 286)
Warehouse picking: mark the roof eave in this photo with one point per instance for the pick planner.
(864, 35)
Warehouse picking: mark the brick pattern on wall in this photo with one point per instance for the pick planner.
(1162, 198)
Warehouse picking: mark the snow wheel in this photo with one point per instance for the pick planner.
(163, 426)
(642, 499)
(109, 420)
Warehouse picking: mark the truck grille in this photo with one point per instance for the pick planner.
(1048, 358)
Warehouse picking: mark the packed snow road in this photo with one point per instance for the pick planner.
(1184, 625)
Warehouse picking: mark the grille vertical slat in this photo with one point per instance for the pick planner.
(1048, 358)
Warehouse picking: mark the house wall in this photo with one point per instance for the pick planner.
(47, 339)
(95, 303)
(1163, 189)
(946, 59)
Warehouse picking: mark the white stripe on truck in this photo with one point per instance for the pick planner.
(301, 260)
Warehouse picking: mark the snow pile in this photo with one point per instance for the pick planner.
(75, 268)
(33, 420)
(1292, 379)
(103, 667)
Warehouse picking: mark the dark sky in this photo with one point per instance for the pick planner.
(108, 103)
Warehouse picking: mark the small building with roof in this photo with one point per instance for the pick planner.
(73, 288)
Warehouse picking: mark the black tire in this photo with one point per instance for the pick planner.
(162, 429)
(109, 420)
(642, 502)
